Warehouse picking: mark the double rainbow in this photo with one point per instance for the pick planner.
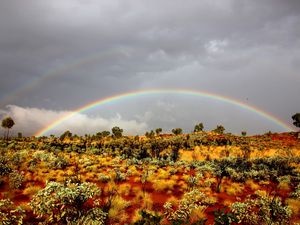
(139, 93)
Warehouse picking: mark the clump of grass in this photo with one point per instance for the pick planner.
(124, 189)
(117, 210)
(147, 201)
(163, 185)
(197, 214)
(234, 189)
(183, 186)
(283, 186)
(252, 185)
(31, 190)
(284, 183)
(266, 183)
(294, 204)
(162, 174)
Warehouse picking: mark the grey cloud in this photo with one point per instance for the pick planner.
(31, 120)
(239, 48)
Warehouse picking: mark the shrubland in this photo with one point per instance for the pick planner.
(197, 178)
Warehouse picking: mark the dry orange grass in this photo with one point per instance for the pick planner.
(124, 189)
(31, 190)
(198, 213)
(163, 185)
(117, 209)
(284, 186)
(252, 185)
(233, 189)
(147, 201)
(294, 204)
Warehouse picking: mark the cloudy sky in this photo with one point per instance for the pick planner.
(56, 56)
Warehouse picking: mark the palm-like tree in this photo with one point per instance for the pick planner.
(7, 123)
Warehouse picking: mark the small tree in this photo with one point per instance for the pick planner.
(20, 135)
(296, 119)
(102, 134)
(244, 133)
(177, 131)
(66, 134)
(158, 131)
(7, 123)
(117, 132)
(219, 129)
(105, 133)
(150, 134)
(220, 171)
(198, 127)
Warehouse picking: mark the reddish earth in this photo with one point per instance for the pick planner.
(159, 198)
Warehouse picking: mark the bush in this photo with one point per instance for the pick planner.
(148, 218)
(221, 217)
(58, 163)
(296, 193)
(9, 214)
(262, 210)
(103, 178)
(15, 180)
(67, 203)
(118, 176)
(94, 216)
(190, 201)
(5, 168)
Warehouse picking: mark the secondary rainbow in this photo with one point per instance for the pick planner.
(66, 68)
(138, 93)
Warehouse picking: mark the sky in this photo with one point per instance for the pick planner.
(57, 56)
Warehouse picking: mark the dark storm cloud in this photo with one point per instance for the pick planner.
(244, 49)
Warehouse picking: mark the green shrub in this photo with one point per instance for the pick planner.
(58, 163)
(296, 193)
(9, 214)
(221, 217)
(67, 203)
(5, 167)
(190, 201)
(262, 210)
(148, 218)
(15, 180)
(119, 176)
(104, 178)
(94, 216)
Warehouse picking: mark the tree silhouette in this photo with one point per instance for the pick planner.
(177, 131)
(150, 134)
(158, 131)
(66, 134)
(296, 119)
(219, 129)
(244, 133)
(7, 123)
(117, 132)
(198, 127)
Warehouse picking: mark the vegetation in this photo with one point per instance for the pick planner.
(198, 127)
(296, 119)
(117, 132)
(219, 129)
(177, 131)
(7, 123)
(196, 178)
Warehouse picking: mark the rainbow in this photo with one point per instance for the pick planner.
(59, 71)
(132, 94)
